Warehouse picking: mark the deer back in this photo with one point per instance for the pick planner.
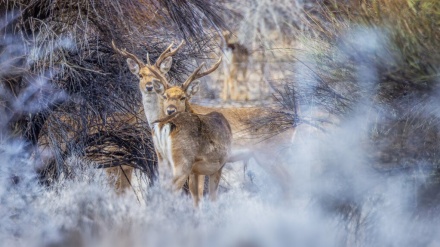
(249, 125)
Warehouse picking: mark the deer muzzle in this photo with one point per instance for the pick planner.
(171, 109)
(149, 87)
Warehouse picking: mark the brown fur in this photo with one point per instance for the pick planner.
(200, 146)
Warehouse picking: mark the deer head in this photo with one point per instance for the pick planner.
(148, 73)
(176, 97)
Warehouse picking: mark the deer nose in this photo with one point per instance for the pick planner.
(149, 87)
(171, 109)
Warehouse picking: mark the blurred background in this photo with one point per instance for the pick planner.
(357, 79)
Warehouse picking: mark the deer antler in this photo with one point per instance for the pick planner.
(161, 78)
(167, 53)
(124, 53)
(148, 59)
(196, 75)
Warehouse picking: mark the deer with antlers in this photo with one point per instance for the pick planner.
(148, 73)
(248, 139)
(193, 146)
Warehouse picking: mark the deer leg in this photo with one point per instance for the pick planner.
(124, 177)
(201, 182)
(233, 82)
(181, 173)
(245, 166)
(179, 181)
(122, 174)
(278, 171)
(193, 188)
(225, 91)
(243, 155)
(214, 180)
(163, 168)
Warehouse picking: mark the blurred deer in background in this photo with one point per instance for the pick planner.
(235, 86)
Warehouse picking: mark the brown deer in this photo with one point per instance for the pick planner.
(148, 74)
(248, 140)
(193, 145)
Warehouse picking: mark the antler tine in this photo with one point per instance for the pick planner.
(163, 55)
(192, 76)
(173, 51)
(148, 59)
(209, 71)
(161, 78)
(167, 53)
(196, 75)
(124, 53)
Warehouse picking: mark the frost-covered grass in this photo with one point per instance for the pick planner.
(333, 200)
(335, 193)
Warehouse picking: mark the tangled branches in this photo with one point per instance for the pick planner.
(61, 82)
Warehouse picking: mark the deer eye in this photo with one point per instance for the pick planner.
(183, 98)
(164, 96)
(140, 76)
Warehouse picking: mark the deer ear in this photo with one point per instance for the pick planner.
(165, 66)
(192, 88)
(133, 66)
(158, 86)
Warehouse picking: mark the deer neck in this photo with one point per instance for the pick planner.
(153, 107)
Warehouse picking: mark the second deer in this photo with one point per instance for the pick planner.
(193, 146)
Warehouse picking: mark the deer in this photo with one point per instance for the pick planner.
(248, 141)
(194, 146)
(148, 73)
